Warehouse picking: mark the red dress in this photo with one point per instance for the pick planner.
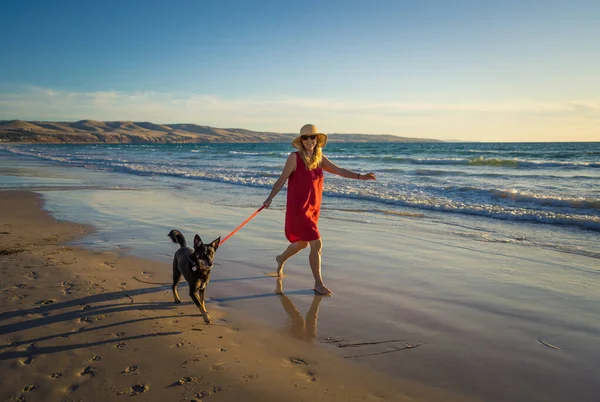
(304, 193)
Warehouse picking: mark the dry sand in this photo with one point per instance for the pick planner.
(77, 326)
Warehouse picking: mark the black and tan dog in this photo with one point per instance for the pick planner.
(195, 265)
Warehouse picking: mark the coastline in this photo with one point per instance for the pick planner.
(129, 132)
(77, 326)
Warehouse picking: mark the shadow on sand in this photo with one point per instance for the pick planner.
(91, 309)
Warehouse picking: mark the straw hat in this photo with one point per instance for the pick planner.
(310, 129)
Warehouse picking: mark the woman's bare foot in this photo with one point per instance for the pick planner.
(279, 266)
(322, 290)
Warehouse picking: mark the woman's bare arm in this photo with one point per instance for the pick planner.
(331, 167)
(290, 166)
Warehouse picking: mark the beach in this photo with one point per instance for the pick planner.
(421, 310)
(76, 325)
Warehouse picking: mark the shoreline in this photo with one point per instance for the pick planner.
(76, 326)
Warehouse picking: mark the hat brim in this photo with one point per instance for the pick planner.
(321, 140)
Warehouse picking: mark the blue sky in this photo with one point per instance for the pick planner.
(524, 70)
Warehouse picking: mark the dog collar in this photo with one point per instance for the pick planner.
(196, 267)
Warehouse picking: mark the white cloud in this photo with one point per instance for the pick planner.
(469, 121)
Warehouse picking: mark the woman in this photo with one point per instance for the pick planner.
(304, 170)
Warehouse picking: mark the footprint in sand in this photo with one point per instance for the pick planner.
(184, 380)
(89, 370)
(249, 377)
(72, 388)
(56, 375)
(218, 367)
(311, 376)
(67, 288)
(131, 369)
(207, 392)
(297, 360)
(27, 361)
(95, 358)
(120, 345)
(138, 389)
(46, 302)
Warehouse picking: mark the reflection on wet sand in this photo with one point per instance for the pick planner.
(304, 328)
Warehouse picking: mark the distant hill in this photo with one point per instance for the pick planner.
(129, 132)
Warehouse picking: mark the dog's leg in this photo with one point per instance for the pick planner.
(176, 279)
(207, 318)
(199, 303)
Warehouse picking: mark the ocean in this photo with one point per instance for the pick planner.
(542, 194)
(476, 255)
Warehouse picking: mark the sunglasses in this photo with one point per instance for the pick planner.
(309, 137)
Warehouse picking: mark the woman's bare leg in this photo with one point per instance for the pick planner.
(292, 249)
(315, 265)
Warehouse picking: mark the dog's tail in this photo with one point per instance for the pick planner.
(177, 237)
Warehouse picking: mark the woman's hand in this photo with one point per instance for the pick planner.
(368, 176)
(267, 202)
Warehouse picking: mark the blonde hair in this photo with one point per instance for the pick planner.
(313, 162)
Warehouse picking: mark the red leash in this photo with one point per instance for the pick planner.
(242, 224)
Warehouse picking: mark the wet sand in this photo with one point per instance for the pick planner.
(79, 324)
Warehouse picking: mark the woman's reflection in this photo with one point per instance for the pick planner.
(301, 328)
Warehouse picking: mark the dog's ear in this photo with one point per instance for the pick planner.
(216, 242)
(197, 241)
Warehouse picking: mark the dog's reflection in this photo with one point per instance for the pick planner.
(300, 327)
